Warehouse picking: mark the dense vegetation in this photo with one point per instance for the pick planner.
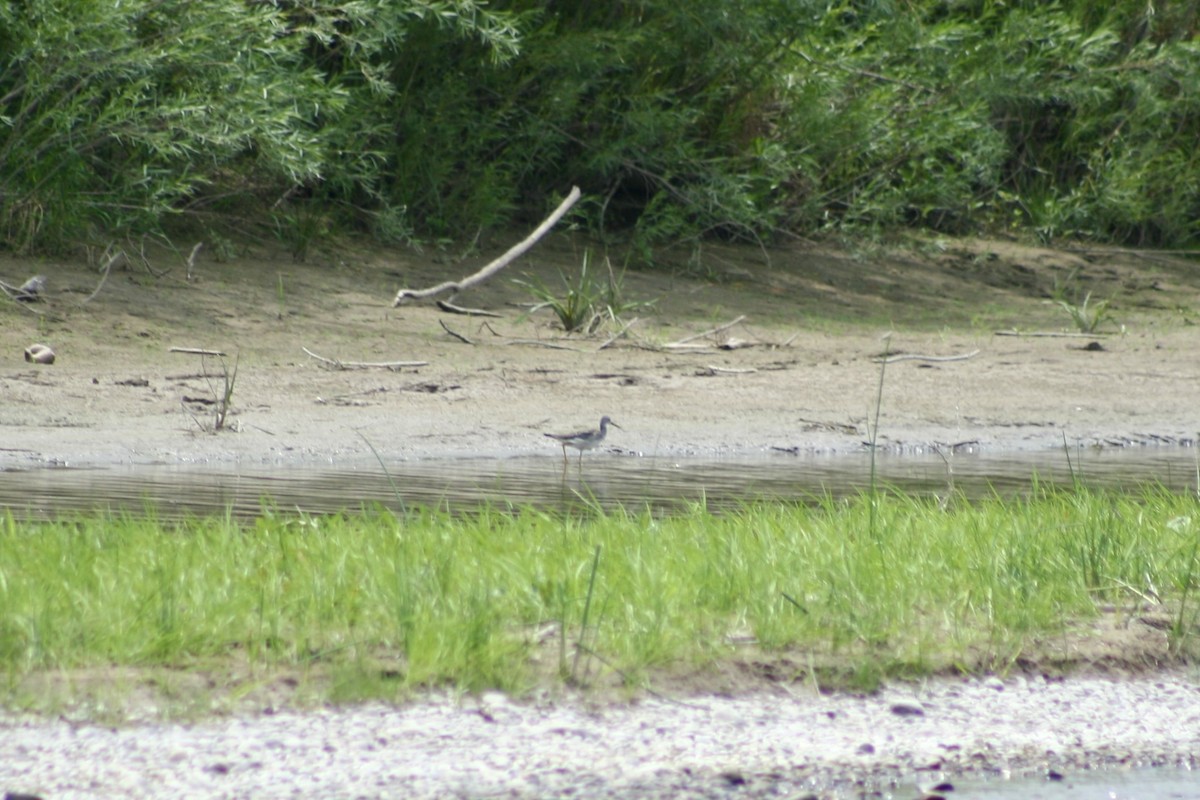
(737, 118)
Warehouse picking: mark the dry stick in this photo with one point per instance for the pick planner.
(544, 343)
(106, 268)
(1133, 251)
(450, 308)
(196, 351)
(619, 333)
(728, 370)
(500, 263)
(455, 334)
(13, 292)
(191, 260)
(146, 260)
(1063, 334)
(364, 364)
(195, 419)
(915, 357)
(717, 329)
(675, 347)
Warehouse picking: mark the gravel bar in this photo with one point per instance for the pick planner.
(795, 743)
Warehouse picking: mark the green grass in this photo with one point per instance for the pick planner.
(382, 605)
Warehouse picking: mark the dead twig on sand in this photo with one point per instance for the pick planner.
(500, 263)
(685, 340)
(195, 351)
(450, 308)
(1055, 334)
(916, 357)
(455, 334)
(545, 343)
(222, 398)
(336, 364)
(107, 268)
(27, 293)
(710, 369)
(618, 334)
(190, 263)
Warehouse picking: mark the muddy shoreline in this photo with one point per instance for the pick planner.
(801, 372)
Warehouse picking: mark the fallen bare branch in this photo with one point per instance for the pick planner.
(335, 363)
(107, 268)
(916, 357)
(450, 308)
(714, 370)
(500, 263)
(1056, 334)
(544, 343)
(709, 332)
(688, 347)
(145, 259)
(30, 290)
(618, 334)
(195, 419)
(191, 261)
(195, 351)
(27, 293)
(455, 334)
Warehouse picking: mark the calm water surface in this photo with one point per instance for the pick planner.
(1163, 783)
(606, 480)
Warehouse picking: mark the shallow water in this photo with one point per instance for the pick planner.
(605, 480)
(1162, 783)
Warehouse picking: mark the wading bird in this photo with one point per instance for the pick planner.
(583, 440)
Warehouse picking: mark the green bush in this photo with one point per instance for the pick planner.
(734, 118)
(114, 115)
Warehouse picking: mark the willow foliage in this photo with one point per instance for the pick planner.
(114, 115)
(997, 115)
(735, 118)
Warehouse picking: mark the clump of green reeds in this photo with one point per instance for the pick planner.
(387, 603)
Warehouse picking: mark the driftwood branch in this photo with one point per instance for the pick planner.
(515, 252)
(107, 268)
(684, 341)
(917, 357)
(196, 351)
(336, 364)
(450, 308)
(191, 262)
(1056, 334)
(711, 369)
(619, 333)
(545, 343)
(454, 333)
